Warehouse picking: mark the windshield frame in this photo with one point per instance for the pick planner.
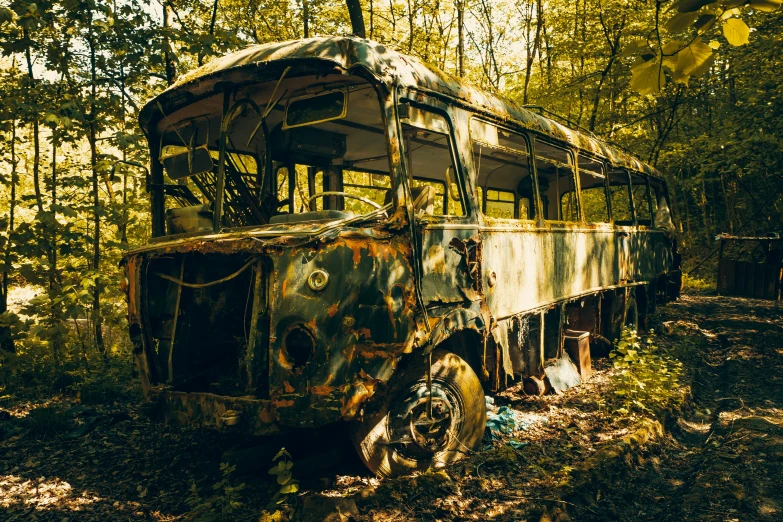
(157, 186)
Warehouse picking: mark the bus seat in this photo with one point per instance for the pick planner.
(423, 199)
(196, 218)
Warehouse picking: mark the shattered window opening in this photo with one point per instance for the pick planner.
(315, 151)
(431, 168)
(503, 172)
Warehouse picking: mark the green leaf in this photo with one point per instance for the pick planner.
(289, 488)
(705, 23)
(681, 21)
(689, 6)
(703, 68)
(284, 478)
(736, 32)
(693, 57)
(647, 77)
(635, 47)
(282, 453)
(765, 6)
(6, 15)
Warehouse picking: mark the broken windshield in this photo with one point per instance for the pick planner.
(319, 155)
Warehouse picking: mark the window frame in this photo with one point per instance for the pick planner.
(646, 179)
(607, 195)
(528, 139)
(629, 189)
(423, 102)
(574, 179)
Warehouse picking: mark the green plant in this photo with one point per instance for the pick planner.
(698, 286)
(279, 507)
(648, 377)
(223, 505)
(47, 421)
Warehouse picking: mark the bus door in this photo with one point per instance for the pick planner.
(447, 240)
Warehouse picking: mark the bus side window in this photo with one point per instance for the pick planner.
(556, 182)
(429, 153)
(592, 183)
(503, 174)
(641, 200)
(620, 192)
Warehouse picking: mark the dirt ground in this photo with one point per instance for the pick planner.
(720, 458)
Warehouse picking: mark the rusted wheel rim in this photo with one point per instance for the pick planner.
(417, 434)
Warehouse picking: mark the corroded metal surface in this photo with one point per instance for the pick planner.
(269, 347)
(386, 65)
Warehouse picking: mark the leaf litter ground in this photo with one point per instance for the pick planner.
(720, 460)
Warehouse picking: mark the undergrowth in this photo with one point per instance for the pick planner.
(47, 421)
(697, 286)
(223, 504)
(648, 377)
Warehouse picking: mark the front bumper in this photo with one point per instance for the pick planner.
(247, 415)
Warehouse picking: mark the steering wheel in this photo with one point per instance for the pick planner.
(345, 195)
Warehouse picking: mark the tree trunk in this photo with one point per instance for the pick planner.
(36, 131)
(168, 58)
(461, 38)
(96, 253)
(357, 19)
(306, 19)
(532, 53)
(6, 341)
(211, 33)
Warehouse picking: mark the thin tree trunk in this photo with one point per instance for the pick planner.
(410, 27)
(124, 223)
(461, 38)
(168, 58)
(6, 341)
(212, 31)
(306, 19)
(357, 19)
(532, 53)
(96, 253)
(36, 132)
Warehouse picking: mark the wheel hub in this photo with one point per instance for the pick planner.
(420, 432)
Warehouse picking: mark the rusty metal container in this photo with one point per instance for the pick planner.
(577, 344)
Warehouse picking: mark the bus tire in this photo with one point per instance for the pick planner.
(399, 437)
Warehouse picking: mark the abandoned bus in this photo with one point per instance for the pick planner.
(343, 233)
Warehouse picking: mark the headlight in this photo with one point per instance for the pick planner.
(298, 346)
(318, 280)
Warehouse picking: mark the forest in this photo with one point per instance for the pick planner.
(691, 87)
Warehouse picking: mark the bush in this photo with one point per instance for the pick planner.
(648, 378)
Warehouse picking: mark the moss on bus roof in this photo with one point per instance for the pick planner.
(386, 65)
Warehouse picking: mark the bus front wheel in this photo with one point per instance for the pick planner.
(410, 432)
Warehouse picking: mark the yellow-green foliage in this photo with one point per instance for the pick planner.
(695, 285)
(648, 377)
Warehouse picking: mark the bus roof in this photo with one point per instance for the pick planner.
(386, 65)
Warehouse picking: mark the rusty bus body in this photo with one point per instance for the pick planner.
(328, 215)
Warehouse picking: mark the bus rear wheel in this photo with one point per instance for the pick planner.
(408, 432)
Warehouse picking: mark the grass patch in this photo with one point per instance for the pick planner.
(47, 421)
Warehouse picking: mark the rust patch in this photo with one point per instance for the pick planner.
(332, 310)
(322, 390)
(287, 387)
